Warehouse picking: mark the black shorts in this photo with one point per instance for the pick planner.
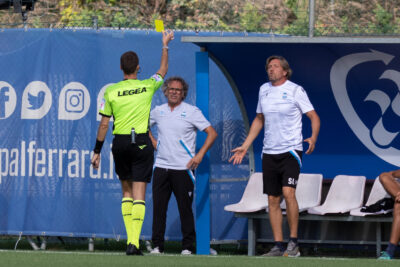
(280, 170)
(133, 163)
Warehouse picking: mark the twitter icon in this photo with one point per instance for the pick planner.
(36, 101)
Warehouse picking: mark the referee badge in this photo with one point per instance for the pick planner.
(102, 103)
(157, 77)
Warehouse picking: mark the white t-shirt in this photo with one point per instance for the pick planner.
(283, 107)
(176, 134)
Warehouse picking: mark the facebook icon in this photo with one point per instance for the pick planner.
(4, 97)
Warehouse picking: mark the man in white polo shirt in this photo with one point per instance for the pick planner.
(177, 123)
(281, 104)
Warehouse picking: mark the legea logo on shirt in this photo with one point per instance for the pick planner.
(36, 101)
(8, 100)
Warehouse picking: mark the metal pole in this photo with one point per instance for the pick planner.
(95, 22)
(311, 18)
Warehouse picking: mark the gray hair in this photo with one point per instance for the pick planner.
(185, 86)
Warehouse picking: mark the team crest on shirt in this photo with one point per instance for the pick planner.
(284, 95)
(183, 114)
(162, 113)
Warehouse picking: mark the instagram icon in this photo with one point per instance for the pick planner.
(74, 100)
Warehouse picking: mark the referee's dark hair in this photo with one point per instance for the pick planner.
(185, 86)
(129, 62)
(284, 64)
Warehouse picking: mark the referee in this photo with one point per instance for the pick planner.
(129, 102)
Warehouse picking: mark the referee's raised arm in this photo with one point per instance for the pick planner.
(168, 35)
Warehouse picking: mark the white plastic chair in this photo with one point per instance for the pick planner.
(377, 193)
(308, 191)
(253, 198)
(346, 193)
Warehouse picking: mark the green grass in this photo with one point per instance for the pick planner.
(20, 258)
(74, 252)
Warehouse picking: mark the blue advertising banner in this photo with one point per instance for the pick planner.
(51, 82)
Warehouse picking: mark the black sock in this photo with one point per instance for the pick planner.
(294, 239)
(391, 248)
(279, 244)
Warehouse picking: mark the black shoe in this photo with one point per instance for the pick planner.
(381, 206)
(133, 250)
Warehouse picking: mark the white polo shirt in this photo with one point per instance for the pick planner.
(176, 134)
(283, 107)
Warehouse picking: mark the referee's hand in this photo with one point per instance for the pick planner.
(168, 35)
(95, 161)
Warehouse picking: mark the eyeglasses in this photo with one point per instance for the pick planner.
(175, 89)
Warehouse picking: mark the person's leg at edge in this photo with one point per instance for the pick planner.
(138, 210)
(126, 208)
(395, 232)
(292, 211)
(389, 183)
(393, 188)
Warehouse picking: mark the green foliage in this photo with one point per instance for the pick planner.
(384, 19)
(298, 28)
(250, 19)
(292, 4)
(333, 17)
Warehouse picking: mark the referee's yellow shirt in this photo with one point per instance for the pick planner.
(129, 101)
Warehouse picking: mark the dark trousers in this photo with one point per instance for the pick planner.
(166, 181)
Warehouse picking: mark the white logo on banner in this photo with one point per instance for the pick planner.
(100, 99)
(73, 102)
(379, 134)
(8, 100)
(36, 100)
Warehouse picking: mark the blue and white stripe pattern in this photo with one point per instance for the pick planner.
(190, 154)
(296, 156)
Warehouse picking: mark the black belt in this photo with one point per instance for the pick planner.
(138, 135)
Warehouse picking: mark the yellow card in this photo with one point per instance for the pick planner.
(159, 25)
